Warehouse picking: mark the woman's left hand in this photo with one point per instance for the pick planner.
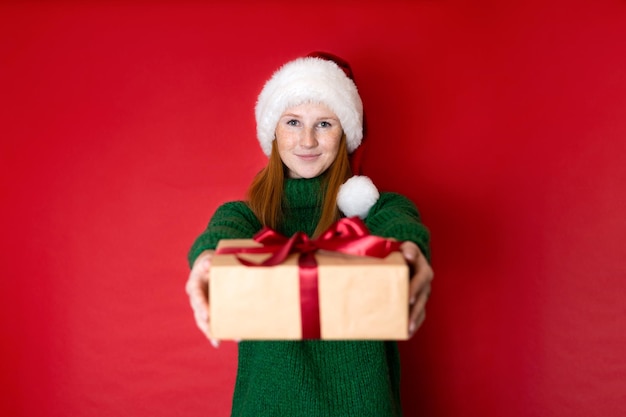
(419, 286)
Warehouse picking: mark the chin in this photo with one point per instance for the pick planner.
(305, 174)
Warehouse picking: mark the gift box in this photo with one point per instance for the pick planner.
(341, 296)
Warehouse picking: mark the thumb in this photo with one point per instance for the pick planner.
(409, 251)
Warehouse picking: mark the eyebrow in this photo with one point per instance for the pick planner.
(299, 116)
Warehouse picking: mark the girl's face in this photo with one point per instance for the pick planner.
(307, 137)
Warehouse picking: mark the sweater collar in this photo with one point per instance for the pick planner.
(303, 192)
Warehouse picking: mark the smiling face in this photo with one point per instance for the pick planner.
(308, 137)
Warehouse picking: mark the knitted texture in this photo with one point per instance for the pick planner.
(316, 378)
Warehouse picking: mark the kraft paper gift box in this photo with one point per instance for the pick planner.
(360, 297)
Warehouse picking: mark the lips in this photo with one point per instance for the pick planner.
(307, 157)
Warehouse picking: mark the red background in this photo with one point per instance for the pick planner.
(124, 125)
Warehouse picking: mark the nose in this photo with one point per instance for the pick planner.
(308, 138)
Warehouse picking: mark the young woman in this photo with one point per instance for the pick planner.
(309, 120)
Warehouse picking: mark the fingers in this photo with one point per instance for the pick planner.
(417, 312)
(419, 286)
(197, 288)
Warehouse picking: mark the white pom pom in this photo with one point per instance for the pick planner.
(357, 196)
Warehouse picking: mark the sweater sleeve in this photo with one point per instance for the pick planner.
(233, 220)
(395, 216)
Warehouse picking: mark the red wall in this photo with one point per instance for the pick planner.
(124, 125)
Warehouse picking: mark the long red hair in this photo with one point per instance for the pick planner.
(265, 194)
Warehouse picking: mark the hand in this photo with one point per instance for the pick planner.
(197, 289)
(419, 286)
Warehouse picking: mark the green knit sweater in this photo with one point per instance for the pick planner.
(316, 378)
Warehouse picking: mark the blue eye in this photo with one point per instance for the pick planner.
(325, 124)
(292, 122)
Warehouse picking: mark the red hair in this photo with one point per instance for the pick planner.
(265, 194)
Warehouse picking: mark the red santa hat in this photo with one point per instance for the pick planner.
(316, 78)
(320, 77)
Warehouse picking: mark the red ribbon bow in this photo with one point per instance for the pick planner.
(348, 235)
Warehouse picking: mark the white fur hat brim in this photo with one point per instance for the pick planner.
(307, 80)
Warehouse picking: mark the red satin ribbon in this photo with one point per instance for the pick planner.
(348, 235)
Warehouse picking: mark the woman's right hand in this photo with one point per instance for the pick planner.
(197, 289)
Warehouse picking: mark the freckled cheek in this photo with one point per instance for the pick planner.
(285, 142)
(330, 141)
(332, 146)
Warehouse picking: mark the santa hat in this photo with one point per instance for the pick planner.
(315, 78)
(319, 77)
